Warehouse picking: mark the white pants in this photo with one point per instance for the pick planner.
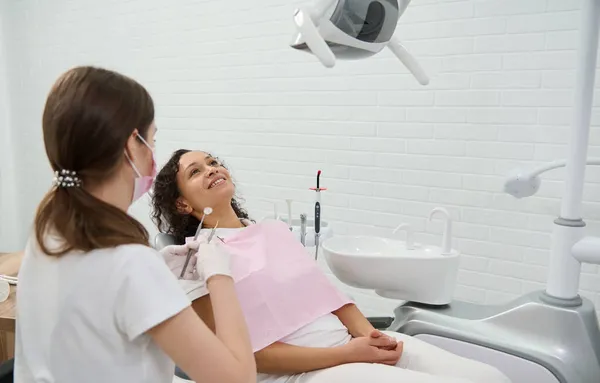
(421, 362)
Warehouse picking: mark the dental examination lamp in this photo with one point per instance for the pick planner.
(353, 29)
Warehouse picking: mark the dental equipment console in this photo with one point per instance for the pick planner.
(545, 336)
(303, 225)
(318, 190)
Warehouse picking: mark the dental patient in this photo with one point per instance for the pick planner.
(338, 346)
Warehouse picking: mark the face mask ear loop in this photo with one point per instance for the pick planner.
(133, 165)
(145, 142)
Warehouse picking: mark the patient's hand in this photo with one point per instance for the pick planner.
(175, 256)
(384, 342)
(361, 350)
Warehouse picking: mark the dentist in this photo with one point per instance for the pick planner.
(95, 303)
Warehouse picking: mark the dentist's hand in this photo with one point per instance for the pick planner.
(212, 260)
(175, 256)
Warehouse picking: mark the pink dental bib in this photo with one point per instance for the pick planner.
(280, 287)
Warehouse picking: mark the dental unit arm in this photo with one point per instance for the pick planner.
(523, 184)
(569, 248)
(353, 29)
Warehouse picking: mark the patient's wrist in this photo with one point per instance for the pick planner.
(343, 355)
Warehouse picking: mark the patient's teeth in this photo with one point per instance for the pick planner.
(215, 183)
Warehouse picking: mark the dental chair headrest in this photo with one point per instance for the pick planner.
(162, 240)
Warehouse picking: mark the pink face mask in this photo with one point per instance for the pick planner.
(142, 184)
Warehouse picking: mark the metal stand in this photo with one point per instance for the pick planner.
(556, 330)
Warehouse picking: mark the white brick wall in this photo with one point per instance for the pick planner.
(224, 80)
(9, 222)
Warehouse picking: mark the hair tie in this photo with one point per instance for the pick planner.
(66, 179)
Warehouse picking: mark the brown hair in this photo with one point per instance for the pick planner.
(89, 115)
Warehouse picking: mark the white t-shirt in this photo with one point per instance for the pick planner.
(327, 331)
(83, 317)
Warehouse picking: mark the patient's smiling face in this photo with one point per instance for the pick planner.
(203, 182)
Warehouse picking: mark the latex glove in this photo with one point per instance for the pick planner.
(175, 256)
(212, 259)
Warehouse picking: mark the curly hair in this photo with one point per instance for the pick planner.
(165, 214)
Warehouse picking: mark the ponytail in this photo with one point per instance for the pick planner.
(89, 117)
(84, 222)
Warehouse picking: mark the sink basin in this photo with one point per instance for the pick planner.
(422, 274)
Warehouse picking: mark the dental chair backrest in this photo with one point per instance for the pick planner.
(163, 240)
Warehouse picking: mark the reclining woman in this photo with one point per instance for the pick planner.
(339, 347)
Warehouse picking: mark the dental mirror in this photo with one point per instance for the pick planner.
(206, 211)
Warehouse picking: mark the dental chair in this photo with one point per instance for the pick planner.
(6, 371)
(162, 240)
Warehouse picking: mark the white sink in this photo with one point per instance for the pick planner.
(422, 274)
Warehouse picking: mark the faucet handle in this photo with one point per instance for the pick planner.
(447, 236)
(409, 235)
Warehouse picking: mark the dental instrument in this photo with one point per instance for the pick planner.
(303, 229)
(207, 211)
(318, 213)
(212, 232)
(289, 206)
(349, 30)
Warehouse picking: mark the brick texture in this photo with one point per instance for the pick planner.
(224, 80)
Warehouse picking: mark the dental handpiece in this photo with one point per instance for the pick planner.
(317, 236)
(317, 227)
(317, 214)
(303, 229)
